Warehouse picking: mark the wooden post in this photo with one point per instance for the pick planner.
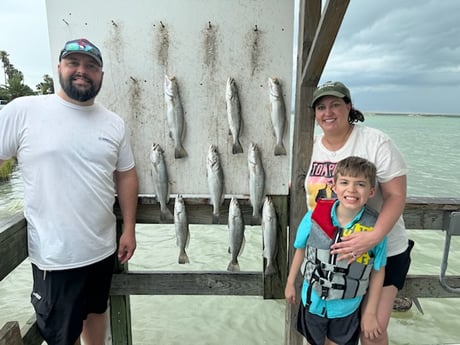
(120, 311)
(10, 334)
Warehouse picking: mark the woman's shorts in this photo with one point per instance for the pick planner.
(62, 299)
(397, 267)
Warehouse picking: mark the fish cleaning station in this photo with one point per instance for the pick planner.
(215, 95)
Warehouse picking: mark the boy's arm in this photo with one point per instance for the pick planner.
(290, 290)
(369, 323)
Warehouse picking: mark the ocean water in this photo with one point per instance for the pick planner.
(430, 146)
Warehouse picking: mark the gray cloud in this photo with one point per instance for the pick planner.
(399, 55)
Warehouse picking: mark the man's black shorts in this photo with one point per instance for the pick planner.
(62, 299)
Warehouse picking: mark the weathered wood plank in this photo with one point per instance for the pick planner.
(428, 286)
(326, 33)
(13, 243)
(188, 283)
(32, 335)
(10, 334)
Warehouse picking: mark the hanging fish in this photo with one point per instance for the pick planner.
(269, 232)
(182, 230)
(160, 180)
(233, 114)
(174, 115)
(236, 234)
(215, 176)
(278, 114)
(256, 181)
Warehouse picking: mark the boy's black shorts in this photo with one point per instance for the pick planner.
(62, 299)
(343, 330)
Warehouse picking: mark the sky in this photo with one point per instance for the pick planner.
(394, 55)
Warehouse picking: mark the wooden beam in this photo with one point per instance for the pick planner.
(10, 334)
(428, 286)
(13, 243)
(323, 41)
(32, 335)
(188, 283)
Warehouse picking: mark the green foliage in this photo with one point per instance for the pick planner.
(14, 86)
(6, 169)
(45, 87)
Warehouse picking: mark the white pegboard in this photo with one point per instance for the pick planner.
(202, 43)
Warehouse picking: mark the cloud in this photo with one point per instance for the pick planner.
(393, 52)
(25, 38)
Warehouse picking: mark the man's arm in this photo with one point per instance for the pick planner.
(127, 190)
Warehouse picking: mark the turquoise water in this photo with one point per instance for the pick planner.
(430, 145)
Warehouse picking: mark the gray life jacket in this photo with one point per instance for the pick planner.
(332, 279)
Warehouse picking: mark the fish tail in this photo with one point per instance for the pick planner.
(233, 266)
(256, 218)
(280, 150)
(179, 152)
(183, 258)
(215, 218)
(165, 215)
(269, 269)
(237, 148)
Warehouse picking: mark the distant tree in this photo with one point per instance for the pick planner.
(45, 87)
(14, 80)
(16, 88)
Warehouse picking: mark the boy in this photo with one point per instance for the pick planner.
(333, 289)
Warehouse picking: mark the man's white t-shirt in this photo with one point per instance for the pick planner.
(67, 156)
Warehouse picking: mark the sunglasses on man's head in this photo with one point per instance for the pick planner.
(81, 46)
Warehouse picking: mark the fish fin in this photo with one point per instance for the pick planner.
(229, 250)
(165, 215)
(233, 266)
(280, 150)
(179, 152)
(237, 148)
(183, 258)
(270, 269)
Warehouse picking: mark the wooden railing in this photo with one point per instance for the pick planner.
(420, 213)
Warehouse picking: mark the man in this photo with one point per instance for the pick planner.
(74, 155)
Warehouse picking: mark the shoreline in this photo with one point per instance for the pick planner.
(388, 113)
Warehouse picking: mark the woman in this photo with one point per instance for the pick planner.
(341, 138)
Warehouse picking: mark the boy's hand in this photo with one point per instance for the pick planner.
(290, 294)
(370, 326)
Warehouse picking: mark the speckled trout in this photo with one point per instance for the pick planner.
(256, 180)
(215, 177)
(278, 114)
(233, 114)
(160, 180)
(269, 232)
(174, 115)
(236, 234)
(182, 230)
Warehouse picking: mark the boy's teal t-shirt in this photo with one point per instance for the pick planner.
(338, 307)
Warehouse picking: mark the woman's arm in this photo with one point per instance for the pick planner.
(394, 201)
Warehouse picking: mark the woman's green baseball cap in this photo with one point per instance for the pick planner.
(330, 88)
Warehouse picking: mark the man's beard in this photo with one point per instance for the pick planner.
(76, 93)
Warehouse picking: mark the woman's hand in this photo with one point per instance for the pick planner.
(353, 246)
